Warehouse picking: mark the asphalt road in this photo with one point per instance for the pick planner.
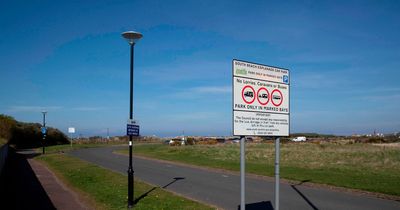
(223, 189)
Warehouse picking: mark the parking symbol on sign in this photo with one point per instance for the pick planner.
(285, 79)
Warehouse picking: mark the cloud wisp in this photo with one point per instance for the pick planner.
(16, 109)
(202, 91)
(29, 108)
(88, 108)
(212, 89)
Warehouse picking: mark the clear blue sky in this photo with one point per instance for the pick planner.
(68, 57)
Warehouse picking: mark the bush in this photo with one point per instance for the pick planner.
(3, 141)
(207, 142)
(7, 124)
(28, 135)
(375, 140)
(190, 141)
(284, 140)
(175, 143)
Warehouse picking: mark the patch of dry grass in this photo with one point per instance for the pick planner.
(307, 155)
(353, 165)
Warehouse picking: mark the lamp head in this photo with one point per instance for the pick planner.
(132, 37)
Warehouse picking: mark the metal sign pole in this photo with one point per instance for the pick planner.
(132, 128)
(242, 173)
(44, 133)
(277, 142)
(130, 168)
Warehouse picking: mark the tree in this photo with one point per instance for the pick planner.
(28, 135)
(7, 124)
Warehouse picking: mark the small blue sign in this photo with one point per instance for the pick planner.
(132, 130)
(286, 79)
(44, 130)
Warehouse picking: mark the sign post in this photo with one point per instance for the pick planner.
(71, 130)
(242, 172)
(277, 144)
(44, 131)
(260, 107)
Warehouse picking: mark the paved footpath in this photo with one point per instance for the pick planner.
(28, 184)
(59, 194)
(223, 189)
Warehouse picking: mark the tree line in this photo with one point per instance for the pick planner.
(28, 135)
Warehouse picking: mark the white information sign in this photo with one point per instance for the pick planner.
(260, 100)
(71, 130)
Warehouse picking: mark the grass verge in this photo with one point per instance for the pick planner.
(357, 166)
(67, 147)
(109, 189)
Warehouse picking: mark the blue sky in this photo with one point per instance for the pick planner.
(68, 57)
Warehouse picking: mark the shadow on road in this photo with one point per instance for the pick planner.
(175, 180)
(302, 195)
(20, 188)
(152, 189)
(264, 205)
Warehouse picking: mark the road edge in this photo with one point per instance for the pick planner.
(282, 180)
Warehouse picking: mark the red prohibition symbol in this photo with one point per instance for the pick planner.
(249, 94)
(263, 96)
(279, 98)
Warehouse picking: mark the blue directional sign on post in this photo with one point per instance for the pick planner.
(44, 130)
(132, 130)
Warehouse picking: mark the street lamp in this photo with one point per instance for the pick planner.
(44, 130)
(132, 37)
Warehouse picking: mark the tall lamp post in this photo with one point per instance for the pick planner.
(44, 130)
(132, 37)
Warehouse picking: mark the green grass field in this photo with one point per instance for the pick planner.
(67, 147)
(357, 166)
(109, 189)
